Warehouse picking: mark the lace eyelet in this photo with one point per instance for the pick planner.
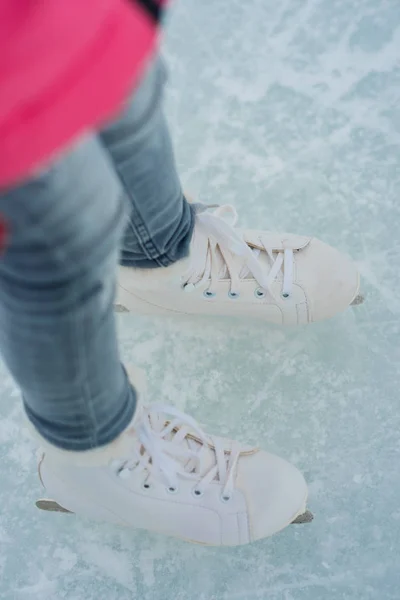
(172, 490)
(285, 295)
(197, 493)
(259, 293)
(225, 498)
(233, 295)
(208, 294)
(146, 486)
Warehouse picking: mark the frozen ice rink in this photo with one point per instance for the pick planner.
(289, 110)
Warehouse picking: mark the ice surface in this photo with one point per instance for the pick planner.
(289, 110)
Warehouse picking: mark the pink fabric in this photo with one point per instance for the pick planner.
(65, 66)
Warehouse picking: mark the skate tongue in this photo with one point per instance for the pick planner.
(202, 245)
(219, 249)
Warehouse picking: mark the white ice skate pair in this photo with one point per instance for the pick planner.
(280, 278)
(164, 474)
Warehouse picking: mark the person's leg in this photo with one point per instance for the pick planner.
(161, 221)
(58, 339)
(57, 281)
(286, 279)
(107, 456)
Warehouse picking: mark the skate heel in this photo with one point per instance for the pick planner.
(65, 498)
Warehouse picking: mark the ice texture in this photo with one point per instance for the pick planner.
(290, 111)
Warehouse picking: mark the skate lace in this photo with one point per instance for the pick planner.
(173, 448)
(224, 242)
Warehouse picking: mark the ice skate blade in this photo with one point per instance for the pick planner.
(359, 299)
(51, 506)
(305, 517)
(120, 309)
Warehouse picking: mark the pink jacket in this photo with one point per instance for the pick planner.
(65, 66)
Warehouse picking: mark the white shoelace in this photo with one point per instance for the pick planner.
(218, 229)
(174, 448)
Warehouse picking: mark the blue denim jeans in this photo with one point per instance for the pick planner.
(115, 195)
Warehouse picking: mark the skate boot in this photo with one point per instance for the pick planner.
(280, 278)
(165, 475)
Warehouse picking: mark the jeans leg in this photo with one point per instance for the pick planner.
(57, 281)
(161, 221)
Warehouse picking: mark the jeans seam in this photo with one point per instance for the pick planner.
(142, 233)
(85, 399)
(87, 403)
(136, 220)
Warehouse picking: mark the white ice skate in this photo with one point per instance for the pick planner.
(281, 278)
(164, 474)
